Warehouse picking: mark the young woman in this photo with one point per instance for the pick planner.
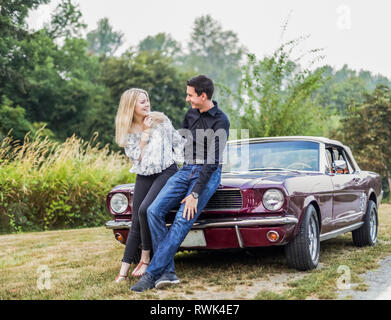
(154, 148)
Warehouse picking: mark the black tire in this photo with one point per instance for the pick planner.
(302, 253)
(366, 235)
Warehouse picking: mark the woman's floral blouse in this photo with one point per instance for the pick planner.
(164, 147)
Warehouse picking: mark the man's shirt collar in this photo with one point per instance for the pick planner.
(212, 111)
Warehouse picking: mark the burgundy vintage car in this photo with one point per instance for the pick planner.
(291, 191)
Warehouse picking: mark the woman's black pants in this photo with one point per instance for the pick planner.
(145, 191)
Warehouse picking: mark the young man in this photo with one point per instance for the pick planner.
(206, 129)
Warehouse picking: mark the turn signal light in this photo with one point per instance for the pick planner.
(119, 237)
(273, 236)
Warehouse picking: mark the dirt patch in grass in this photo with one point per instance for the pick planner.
(224, 275)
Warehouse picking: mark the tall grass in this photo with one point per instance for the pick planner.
(50, 185)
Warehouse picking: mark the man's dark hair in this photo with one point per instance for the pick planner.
(202, 84)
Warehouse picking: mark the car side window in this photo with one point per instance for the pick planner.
(348, 161)
(329, 159)
(340, 155)
(337, 155)
(334, 154)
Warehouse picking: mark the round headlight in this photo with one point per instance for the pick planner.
(119, 203)
(273, 199)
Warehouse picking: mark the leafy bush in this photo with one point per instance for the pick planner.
(50, 185)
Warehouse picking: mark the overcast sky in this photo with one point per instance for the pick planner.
(353, 32)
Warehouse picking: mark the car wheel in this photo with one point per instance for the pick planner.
(302, 253)
(366, 235)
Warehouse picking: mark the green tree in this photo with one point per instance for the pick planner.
(100, 118)
(13, 30)
(104, 40)
(162, 42)
(214, 52)
(366, 129)
(13, 122)
(344, 87)
(152, 72)
(66, 21)
(53, 83)
(13, 118)
(273, 98)
(58, 83)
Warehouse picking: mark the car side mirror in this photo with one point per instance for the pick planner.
(340, 166)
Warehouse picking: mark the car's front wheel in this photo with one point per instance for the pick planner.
(302, 253)
(366, 235)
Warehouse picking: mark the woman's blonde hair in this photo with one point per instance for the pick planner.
(124, 118)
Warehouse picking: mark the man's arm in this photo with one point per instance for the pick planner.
(205, 173)
(216, 150)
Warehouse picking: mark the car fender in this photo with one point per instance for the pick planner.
(369, 194)
(307, 201)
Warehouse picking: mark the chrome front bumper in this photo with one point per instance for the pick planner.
(113, 224)
(220, 223)
(252, 222)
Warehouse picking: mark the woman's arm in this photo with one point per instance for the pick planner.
(136, 152)
(143, 142)
(178, 142)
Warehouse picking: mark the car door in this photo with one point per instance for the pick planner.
(358, 186)
(346, 193)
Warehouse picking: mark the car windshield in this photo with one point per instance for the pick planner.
(273, 156)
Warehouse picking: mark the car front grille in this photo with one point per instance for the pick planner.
(223, 199)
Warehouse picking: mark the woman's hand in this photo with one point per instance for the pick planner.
(147, 123)
(146, 130)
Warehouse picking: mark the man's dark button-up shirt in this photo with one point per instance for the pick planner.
(207, 134)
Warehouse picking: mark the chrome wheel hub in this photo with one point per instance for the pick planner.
(373, 226)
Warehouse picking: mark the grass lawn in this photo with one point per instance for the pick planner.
(82, 264)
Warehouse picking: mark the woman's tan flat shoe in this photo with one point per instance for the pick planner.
(120, 278)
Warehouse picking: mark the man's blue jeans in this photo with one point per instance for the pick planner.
(166, 242)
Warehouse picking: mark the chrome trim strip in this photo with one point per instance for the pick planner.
(287, 138)
(202, 224)
(112, 224)
(338, 232)
(216, 223)
(239, 236)
(351, 216)
(214, 210)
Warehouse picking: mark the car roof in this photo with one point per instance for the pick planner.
(288, 138)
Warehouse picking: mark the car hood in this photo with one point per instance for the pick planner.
(123, 187)
(247, 180)
(243, 180)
